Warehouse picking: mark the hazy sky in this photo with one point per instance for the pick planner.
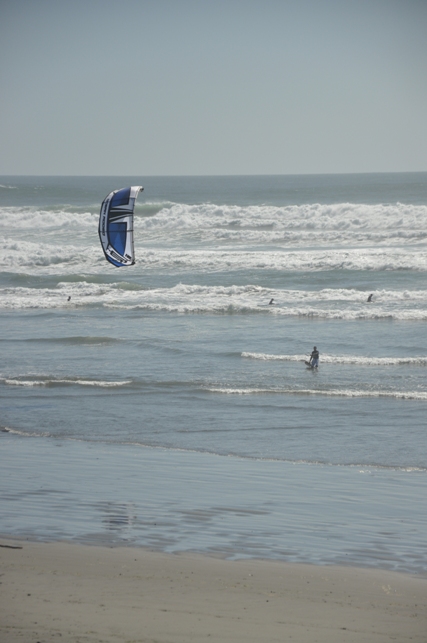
(153, 87)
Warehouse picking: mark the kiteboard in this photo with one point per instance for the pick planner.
(309, 366)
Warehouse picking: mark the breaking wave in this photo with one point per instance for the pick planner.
(344, 359)
(51, 382)
(399, 395)
(328, 303)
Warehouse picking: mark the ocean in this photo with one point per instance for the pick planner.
(168, 405)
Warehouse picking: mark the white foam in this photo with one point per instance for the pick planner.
(206, 238)
(41, 258)
(349, 222)
(314, 225)
(305, 260)
(235, 299)
(404, 395)
(344, 359)
(32, 220)
(66, 381)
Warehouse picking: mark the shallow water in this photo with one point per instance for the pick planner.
(233, 507)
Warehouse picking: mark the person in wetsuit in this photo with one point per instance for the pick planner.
(314, 358)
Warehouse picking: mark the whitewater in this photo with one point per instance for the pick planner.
(174, 393)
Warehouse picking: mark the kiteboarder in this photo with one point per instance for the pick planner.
(314, 358)
(270, 302)
(370, 296)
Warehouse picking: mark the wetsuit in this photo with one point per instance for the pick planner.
(314, 359)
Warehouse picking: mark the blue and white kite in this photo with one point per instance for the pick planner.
(116, 226)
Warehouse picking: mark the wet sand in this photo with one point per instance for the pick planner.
(86, 594)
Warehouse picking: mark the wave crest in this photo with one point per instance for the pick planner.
(344, 359)
(401, 395)
(54, 382)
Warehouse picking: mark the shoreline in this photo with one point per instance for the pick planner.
(9, 541)
(98, 593)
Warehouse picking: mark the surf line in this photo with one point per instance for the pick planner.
(404, 395)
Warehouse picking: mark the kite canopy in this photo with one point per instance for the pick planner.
(116, 226)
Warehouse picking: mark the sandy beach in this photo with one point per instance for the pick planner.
(66, 592)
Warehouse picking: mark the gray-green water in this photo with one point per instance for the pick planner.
(173, 394)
